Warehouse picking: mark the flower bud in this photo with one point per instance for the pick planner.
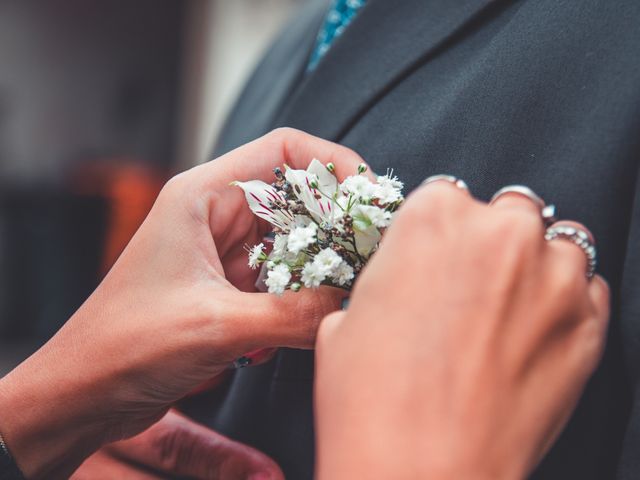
(331, 167)
(362, 168)
(295, 287)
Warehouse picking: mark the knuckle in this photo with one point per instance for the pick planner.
(526, 223)
(324, 336)
(517, 228)
(442, 195)
(568, 283)
(310, 311)
(175, 186)
(173, 447)
(430, 205)
(590, 341)
(282, 133)
(603, 293)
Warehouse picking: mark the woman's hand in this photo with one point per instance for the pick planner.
(466, 345)
(172, 313)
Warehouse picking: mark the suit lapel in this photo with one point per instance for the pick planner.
(275, 78)
(380, 47)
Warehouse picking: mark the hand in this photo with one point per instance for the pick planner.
(178, 447)
(171, 314)
(466, 345)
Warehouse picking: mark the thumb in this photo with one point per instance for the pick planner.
(328, 330)
(178, 446)
(290, 320)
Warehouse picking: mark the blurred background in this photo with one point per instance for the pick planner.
(100, 102)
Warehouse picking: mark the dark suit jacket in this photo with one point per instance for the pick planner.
(540, 92)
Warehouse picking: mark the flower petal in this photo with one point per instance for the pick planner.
(259, 196)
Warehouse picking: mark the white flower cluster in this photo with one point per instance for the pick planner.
(325, 231)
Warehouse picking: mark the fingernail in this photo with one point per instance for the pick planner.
(242, 362)
(345, 303)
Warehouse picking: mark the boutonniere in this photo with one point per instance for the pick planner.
(325, 232)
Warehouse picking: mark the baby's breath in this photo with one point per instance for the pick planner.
(325, 231)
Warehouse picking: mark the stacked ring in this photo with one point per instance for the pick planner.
(580, 238)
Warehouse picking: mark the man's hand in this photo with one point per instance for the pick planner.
(466, 345)
(178, 447)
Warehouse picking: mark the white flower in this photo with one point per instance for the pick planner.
(344, 274)
(316, 187)
(389, 180)
(327, 261)
(388, 189)
(301, 237)
(259, 196)
(312, 275)
(255, 255)
(359, 186)
(367, 240)
(366, 215)
(278, 279)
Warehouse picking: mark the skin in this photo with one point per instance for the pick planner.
(432, 366)
(175, 310)
(472, 366)
(178, 447)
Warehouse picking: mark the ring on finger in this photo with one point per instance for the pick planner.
(547, 212)
(578, 237)
(461, 184)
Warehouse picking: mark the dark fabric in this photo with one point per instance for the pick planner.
(8, 468)
(540, 92)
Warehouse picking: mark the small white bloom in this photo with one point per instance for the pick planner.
(301, 237)
(387, 194)
(312, 275)
(255, 255)
(359, 186)
(391, 181)
(278, 279)
(327, 261)
(365, 215)
(344, 274)
(388, 189)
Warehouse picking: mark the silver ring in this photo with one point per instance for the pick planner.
(580, 238)
(447, 178)
(547, 212)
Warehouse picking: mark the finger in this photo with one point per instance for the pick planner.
(290, 320)
(567, 251)
(295, 148)
(600, 299)
(439, 198)
(102, 466)
(328, 329)
(519, 198)
(179, 446)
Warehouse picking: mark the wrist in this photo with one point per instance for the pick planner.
(380, 460)
(46, 428)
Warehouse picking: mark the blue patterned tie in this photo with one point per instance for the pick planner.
(340, 15)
